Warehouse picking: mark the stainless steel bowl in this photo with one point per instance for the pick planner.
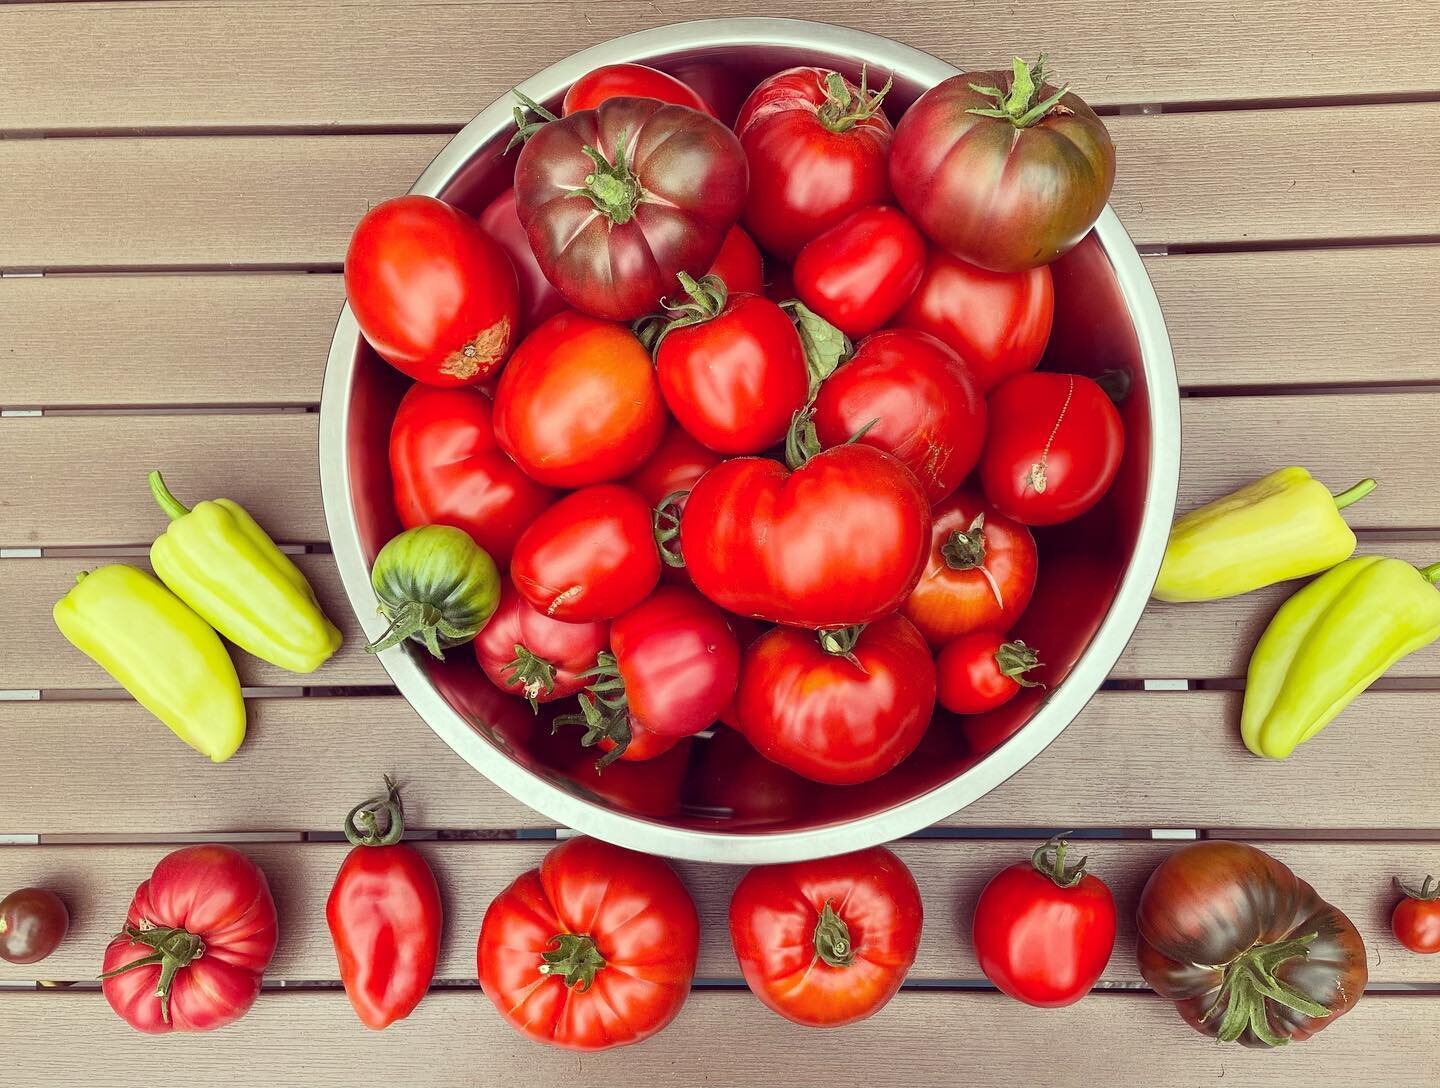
(718, 801)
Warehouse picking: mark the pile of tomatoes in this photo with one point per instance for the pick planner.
(750, 412)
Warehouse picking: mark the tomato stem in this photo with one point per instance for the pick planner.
(964, 549)
(843, 109)
(665, 521)
(574, 958)
(1015, 660)
(416, 618)
(362, 824)
(1428, 890)
(612, 187)
(175, 949)
(1355, 494)
(1019, 103)
(1249, 981)
(524, 126)
(604, 710)
(533, 673)
(705, 300)
(832, 938)
(1049, 859)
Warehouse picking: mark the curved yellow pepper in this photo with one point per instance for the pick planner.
(160, 651)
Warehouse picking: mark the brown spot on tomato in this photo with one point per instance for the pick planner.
(481, 354)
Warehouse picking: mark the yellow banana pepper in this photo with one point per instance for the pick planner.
(224, 566)
(160, 651)
(1286, 525)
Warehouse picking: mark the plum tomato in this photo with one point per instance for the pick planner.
(859, 272)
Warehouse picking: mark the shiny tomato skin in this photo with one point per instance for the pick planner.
(434, 295)
(858, 273)
(953, 598)
(1053, 448)
(629, 81)
(804, 176)
(569, 648)
(448, 469)
(33, 922)
(1040, 943)
(675, 465)
(538, 298)
(774, 914)
(589, 557)
(580, 403)
(643, 747)
(828, 718)
(970, 680)
(998, 322)
(736, 785)
(642, 923)
(1416, 924)
(840, 541)
(735, 381)
(925, 409)
(740, 264)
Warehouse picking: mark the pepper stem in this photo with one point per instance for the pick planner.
(168, 502)
(574, 958)
(174, 949)
(1354, 494)
(1431, 573)
(1049, 859)
(362, 825)
(1249, 981)
(832, 938)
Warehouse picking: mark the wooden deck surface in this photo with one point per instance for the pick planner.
(185, 175)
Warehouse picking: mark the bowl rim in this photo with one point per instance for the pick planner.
(651, 836)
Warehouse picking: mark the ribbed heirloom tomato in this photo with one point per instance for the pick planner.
(527, 653)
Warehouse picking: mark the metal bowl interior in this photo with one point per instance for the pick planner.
(713, 798)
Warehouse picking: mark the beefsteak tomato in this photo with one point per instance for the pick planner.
(859, 272)
(980, 671)
(629, 81)
(527, 653)
(740, 264)
(538, 297)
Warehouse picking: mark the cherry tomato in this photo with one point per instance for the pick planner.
(629, 81)
(538, 297)
(916, 399)
(980, 671)
(527, 653)
(579, 403)
(1044, 930)
(33, 922)
(1416, 920)
(589, 557)
(817, 147)
(836, 707)
(740, 264)
(827, 942)
(998, 322)
(859, 272)
(980, 573)
(431, 291)
(1053, 448)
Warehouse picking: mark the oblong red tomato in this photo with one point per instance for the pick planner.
(629, 81)
(740, 264)
(859, 272)
(448, 469)
(527, 653)
(843, 715)
(589, 557)
(538, 297)
(431, 291)
(980, 671)
(918, 402)
(998, 322)
(579, 403)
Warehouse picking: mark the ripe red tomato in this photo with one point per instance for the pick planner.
(538, 297)
(629, 81)
(589, 557)
(843, 714)
(736, 785)
(740, 264)
(839, 541)
(206, 912)
(732, 368)
(1044, 930)
(642, 746)
(817, 146)
(998, 322)
(979, 575)
(827, 942)
(1416, 920)
(431, 291)
(527, 653)
(448, 470)
(1053, 448)
(980, 671)
(918, 401)
(674, 466)
(579, 403)
(619, 199)
(858, 273)
(1001, 168)
(594, 949)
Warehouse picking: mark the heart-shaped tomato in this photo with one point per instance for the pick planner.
(841, 540)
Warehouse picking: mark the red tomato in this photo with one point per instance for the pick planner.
(448, 470)
(736, 785)
(538, 297)
(858, 273)
(1053, 449)
(207, 912)
(431, 291)
(716, 81)
(980, 671)
(918, 401)
(594, 949)
(619, 199)
(827, 942)
(527, 653)
(740, 264)
(642, 746)
(579, 403)
(998, 322)
(651, 788)
(841, 540)
(817, 146)
(841, 715)
(629, 81)
(589, 557)
(675, 466)
(732, 368)
(1043, 930)
(980, 573)
(1416, 920)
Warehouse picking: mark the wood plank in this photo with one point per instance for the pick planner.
(1240, 176)
(96, 881)
(311, 1039)
(398, 63)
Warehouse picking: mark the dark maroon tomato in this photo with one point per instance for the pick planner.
(859, 273)
(538, 297)
(33, 922)
(629, 81)
(980, 671)
(740, 264)
(918, 402)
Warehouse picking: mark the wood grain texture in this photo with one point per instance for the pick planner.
(398, 63)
